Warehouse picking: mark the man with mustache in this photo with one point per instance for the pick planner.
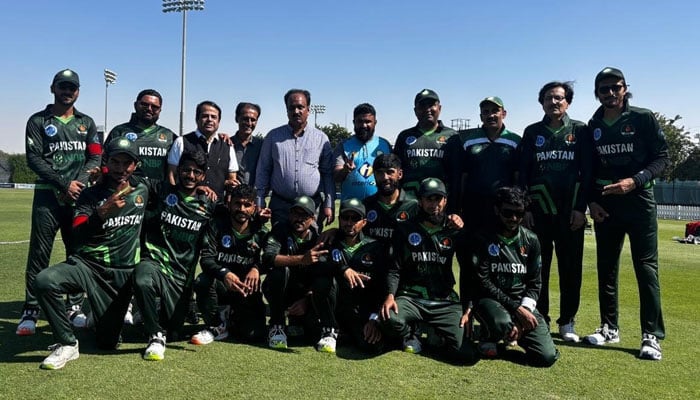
(354, 156)
(247, 145)
(231, 272)
(629, 151)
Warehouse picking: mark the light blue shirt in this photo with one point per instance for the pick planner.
(360, 182)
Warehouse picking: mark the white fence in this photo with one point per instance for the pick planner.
(684, 213)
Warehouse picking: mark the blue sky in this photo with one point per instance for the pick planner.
(348, 52)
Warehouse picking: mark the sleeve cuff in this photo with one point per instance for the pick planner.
(528, 303)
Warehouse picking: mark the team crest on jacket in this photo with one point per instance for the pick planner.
(138, 201)
(290, 243)
(132, 136)
(570, 139)
(597, 133)
(411, 140)
(336, 255)
(50, 130)
(372, 215)
(414, 239)
(493, 249)
(365, 170)
(539, 141)
(442, 139)
(226, 241)
(171, 199)
(627, 130)
(445, 244)
(367, 259)
(162, 138)
(402, 216)
(82, 129)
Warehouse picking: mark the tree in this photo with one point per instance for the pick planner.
(336, 133)
(680, 144)
(689, 170)
(21, 173)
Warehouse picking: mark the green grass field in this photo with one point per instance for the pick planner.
(231, 370)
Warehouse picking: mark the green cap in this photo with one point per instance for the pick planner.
(122, 145)
(608, 72)
(431, 186)
(426, 94)
(353, 205)
(492, 99)
(66, 75)
(306, 203)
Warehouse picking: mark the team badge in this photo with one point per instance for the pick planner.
(132, 136)
(597, 133)
(539, 141)
(290, 243)
(627, 130)
(372, 215)
(476, 149)
(414, 239)
(58, 159)
(162, 138)
(442, 139)
(366, 260)
(171, 199)
(411, 140)
(365, 170)
(226, 241)
(50, 130)
(402, 216)
(445, 244)
(336, 255)
(570, 139)
(138, 201)
(82, 129)
(493, 249)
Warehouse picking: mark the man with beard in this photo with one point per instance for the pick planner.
(421, 148)
(163, 279)
(246, 145)
(231, 272)
(420, 280)
(221, 158)
(106, 229)
(354, 156)
(296, 160)
(291, 255)
(508, 279)
(152, 140)
(62, 148)
(629, 151)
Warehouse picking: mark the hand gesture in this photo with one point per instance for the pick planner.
(355, 278)
(116, 201)
(234, 284)
(312, 256)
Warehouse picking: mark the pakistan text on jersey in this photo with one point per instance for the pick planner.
(509, 268)
(234, 259)
(428, 256)
(615, 148)
(425, 153)
(386, 233)
(180, 222)
(555, 155)
(122, 220)
(67, 146)
(153, 151)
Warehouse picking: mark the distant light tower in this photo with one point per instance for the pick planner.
(110, 79)
(183, 6)
(317, 109)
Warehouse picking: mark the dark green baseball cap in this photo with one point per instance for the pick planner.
(608, 72)
(353, 205)
(306, 203)
(431, 186)
(66, 75)
(425, 94)
(492, 99)
(122, 146)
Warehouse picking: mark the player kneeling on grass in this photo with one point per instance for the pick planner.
(508, 279)
(174, 239)
(360, 265)
(106, 230)
(230, 278)
(420, 281)
(294, 284)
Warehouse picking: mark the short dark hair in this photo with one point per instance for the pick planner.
(511, 195)
(295, 91)
(242, 191)
(150, 92)
(568, 87)
(364, 108)
(204, 104)
(386, 161)
(243, 105)
(198, 157)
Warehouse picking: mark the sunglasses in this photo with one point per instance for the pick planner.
(507, 213)
(149, 105)
(607, 88)
(350, 217)
(196, 171)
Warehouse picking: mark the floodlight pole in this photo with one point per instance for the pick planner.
(317, 109)
(110, 79)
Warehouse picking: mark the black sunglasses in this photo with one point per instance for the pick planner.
(607, 88)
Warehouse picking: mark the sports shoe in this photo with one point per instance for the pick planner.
(156, 348)
(276, 338)
(568, 333)
(27, 324)
(412, 345)
(488, 349)
(210, 334)
(60, 355)
(77, 317)
(650, 350)
(603, 335)
(328, 341)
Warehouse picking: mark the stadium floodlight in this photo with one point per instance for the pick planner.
(110, 79)
(183, 6)
(317, 109)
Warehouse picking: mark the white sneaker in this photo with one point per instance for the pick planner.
(568, 333)
(27, 324)
(328, 341)
(209, 335)
(156, 348)
(77, 317)
(603, 335)
(651, 349)
(277, 339)
(412, 345)
(60, 355)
